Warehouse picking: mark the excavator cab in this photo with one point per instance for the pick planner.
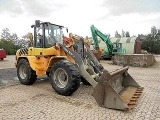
(118, 49)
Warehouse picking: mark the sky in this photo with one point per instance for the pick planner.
(135, 16)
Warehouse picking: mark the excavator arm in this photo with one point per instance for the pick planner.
(96, 33)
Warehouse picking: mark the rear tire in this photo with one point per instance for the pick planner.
(65, 77)
(2, 58)
(25, 74)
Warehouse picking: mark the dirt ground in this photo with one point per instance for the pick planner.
(39, 101)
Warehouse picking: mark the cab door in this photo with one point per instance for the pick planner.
(38, 41)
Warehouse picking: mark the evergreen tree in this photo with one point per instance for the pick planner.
(127, 34)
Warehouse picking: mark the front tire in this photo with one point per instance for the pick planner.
(25, 74)
(65, 77)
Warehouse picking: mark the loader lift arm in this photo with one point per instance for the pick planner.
(72, 40)
(116, 90)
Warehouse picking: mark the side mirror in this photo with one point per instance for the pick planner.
(37, 23)
(32, 26)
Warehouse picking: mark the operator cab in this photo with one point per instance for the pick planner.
(117, 47)
(47, 34)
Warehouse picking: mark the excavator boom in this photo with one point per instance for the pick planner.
(105, 38)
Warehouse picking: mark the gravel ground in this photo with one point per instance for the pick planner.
(8, 62)
(40, 101)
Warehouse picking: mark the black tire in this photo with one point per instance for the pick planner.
(2, 58)
(84, 81)
(25, 74)
(70, 77)
(47, 73)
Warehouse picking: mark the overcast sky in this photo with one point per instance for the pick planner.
(135, 16)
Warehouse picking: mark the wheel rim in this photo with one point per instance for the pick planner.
(23, 71)
(60, 78)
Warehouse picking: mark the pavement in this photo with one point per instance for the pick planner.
(40, 102)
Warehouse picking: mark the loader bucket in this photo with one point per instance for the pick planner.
(117, 90)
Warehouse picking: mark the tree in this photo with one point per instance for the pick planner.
(9, 41)
(127, 34)
(151, 42)
(15, 38)
(158, 34)
(6, 35)
(117, 35)
(134, 36)
(8, 46)
(123, 33)
(153, 30)
(25, 40)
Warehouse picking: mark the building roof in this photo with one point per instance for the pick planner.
(123, 40)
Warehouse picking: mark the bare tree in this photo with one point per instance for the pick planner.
(123, 33)
(5, 34)
(117, 35)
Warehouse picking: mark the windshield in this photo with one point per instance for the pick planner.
(53, 34)
(117, 45)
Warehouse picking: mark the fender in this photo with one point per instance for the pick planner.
(41, 64)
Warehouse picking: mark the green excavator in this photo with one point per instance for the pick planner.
(110, 49)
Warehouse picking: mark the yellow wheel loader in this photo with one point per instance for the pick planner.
(65, 66)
